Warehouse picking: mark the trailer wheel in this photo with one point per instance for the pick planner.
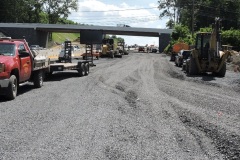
(38, 79)
(86, 67)
(81, 70)
(222, 71)
(12, 88)
(192, 68)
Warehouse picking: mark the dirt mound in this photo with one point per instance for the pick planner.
(234, 64)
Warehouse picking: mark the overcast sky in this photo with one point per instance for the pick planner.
(135, 13)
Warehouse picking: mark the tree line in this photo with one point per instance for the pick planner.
(190, 16)
(36, 11)
(201, 13)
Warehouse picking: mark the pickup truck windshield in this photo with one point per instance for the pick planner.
(7, 49)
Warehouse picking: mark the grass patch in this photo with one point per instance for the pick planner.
(61, 37)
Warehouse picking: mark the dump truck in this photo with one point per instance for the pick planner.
(18, 66)
(207, 55)
(110, 48)
(177, 47)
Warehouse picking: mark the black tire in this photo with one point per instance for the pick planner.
(59, 59)
(81, 71)
(172, 57)
(192, 70)
(184, 67)
(175, 61)
(187, 66)
(222, 71)
(12, 88)
(112, 54)
(86, 67)
(38, 79)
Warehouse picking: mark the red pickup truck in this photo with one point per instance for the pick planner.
(19, 65)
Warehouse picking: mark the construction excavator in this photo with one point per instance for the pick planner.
(207, 55)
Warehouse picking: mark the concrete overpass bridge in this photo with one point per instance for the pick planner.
(36, 33)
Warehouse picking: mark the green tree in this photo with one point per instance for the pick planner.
(170, 24)
(58, 8)
(36, 11)
(199, 14)
(167, 8)
(231, 37)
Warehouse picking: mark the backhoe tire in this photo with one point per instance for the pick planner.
(112, 54)
(86, 67)
(38, 79)
(192, 70)
(12, 88)
(222, 71)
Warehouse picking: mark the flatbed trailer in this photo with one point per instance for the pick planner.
(82, 67)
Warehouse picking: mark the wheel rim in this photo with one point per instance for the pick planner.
(14, 86)
(41, 80)
(87, 69)
(83, 69)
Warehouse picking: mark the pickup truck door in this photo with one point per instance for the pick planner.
(25, 63)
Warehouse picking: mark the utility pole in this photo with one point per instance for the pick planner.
(192, 18)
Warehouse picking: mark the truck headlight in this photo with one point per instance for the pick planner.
(2, 67)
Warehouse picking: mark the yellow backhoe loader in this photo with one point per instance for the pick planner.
(207, 55)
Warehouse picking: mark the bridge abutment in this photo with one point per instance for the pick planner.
(164, 40)
(31, 35)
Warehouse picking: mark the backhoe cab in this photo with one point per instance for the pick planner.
(206, 56)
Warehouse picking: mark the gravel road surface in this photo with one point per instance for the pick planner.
(139, 107)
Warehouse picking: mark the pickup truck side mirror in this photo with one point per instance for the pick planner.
(23, 54)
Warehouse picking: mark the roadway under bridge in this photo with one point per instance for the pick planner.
(36, 33)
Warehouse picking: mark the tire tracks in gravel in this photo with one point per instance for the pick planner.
(148, 115)
(222, 130)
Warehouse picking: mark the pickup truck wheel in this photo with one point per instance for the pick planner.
(193, 70)
(12, 88)
(38, 79)
(86, 67)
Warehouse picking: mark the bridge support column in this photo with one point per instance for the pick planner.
(164, 40)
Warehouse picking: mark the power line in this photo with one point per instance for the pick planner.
(116, 21)
(113, 16)
(121, 10)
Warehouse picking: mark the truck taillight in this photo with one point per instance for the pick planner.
(2, 67)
